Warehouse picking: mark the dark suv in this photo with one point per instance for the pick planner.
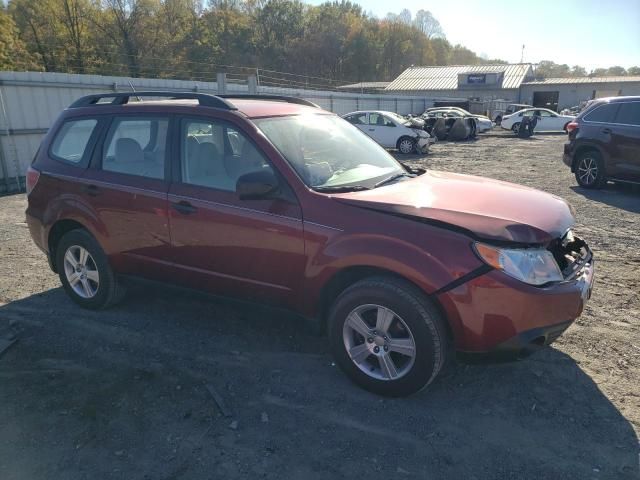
(272, 199)
(604, 142)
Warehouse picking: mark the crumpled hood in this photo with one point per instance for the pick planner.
(489, 209)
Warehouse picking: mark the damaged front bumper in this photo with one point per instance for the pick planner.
(494, 313)
(423, 143)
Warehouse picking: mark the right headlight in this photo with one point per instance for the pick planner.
(535, 266)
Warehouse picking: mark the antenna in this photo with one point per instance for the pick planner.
(522, 54)
(134, 90)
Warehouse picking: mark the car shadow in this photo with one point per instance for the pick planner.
(172, 384)
(619, 195)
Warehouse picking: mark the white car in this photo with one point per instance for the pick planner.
(391, 130)
(548, 120)
(483, 123)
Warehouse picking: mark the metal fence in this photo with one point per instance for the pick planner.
(31, 101)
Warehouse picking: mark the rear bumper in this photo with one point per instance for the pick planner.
(496, 313)
(39, 236)
(567, 156)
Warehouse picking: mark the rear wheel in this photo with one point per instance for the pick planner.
(406, 145)
(589, 170)
(387, 336)
(85, 272)
(515, 127)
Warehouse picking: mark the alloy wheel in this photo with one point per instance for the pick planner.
(81, 271)
(379, 342)
(588, 171)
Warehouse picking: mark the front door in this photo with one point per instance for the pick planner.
(382, 130)
(252, 249)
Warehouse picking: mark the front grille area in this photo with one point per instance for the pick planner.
(571, 253)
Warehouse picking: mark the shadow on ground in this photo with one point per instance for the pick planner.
(619, 195)
(126, 393)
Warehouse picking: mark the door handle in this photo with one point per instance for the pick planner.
(92, 190)
(606, 131)
(184, 207)
(372, 129)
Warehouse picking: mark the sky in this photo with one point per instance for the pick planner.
(591, 33)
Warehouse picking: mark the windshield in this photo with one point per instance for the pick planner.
(398, 118)
(327, 151)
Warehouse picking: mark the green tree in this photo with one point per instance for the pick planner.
(13, 51)
(617, 71)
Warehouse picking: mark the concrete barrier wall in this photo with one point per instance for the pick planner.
(31, 101)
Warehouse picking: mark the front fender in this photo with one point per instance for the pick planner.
(429, 257)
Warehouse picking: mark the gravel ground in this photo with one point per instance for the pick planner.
(126, 393)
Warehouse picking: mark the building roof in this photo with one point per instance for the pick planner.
(365, 86)
(446, 77)
(568, 81)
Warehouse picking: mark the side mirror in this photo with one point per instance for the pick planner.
(257, 185)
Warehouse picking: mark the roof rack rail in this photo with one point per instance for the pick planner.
(121, 98)
(275, 98)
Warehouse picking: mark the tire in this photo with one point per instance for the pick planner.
(515, 127)
(96, 286)
(395, 315)
(589, 169)
(406, 145)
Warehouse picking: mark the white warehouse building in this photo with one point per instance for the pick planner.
(471, 85)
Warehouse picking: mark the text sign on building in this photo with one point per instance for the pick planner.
(477, 78)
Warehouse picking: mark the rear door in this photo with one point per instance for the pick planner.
(126, 188)
(245, 248)
(625, 140)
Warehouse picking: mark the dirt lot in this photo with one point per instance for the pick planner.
(123, 393)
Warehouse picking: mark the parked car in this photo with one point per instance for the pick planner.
(391, 130)
(448, 125)
(512, 108)
(483, 123)
(548, 120)
(604, 142)
(272, 199)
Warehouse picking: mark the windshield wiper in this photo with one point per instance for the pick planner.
(392, 178)
(340, 188)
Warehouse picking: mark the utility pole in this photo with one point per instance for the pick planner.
(522, 54)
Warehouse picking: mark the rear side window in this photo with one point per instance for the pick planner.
(72, 140)
(603, 114)
(629, 113)
(136, 146)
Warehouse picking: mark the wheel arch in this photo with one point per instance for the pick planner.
(56, 232)
(582, 149)
(347, 276)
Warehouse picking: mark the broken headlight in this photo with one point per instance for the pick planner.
(535, 266)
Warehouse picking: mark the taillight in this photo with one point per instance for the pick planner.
(571, 126)
(33, 176)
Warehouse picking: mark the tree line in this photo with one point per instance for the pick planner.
(188, 39)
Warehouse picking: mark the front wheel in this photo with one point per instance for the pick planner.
(387, 336)
(589, 170)
(515, 128)
(85, 272)
(406, 145)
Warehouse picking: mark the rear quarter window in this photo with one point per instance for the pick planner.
(604, 113)
(72, 139)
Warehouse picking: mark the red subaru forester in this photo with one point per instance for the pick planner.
(275, 200)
